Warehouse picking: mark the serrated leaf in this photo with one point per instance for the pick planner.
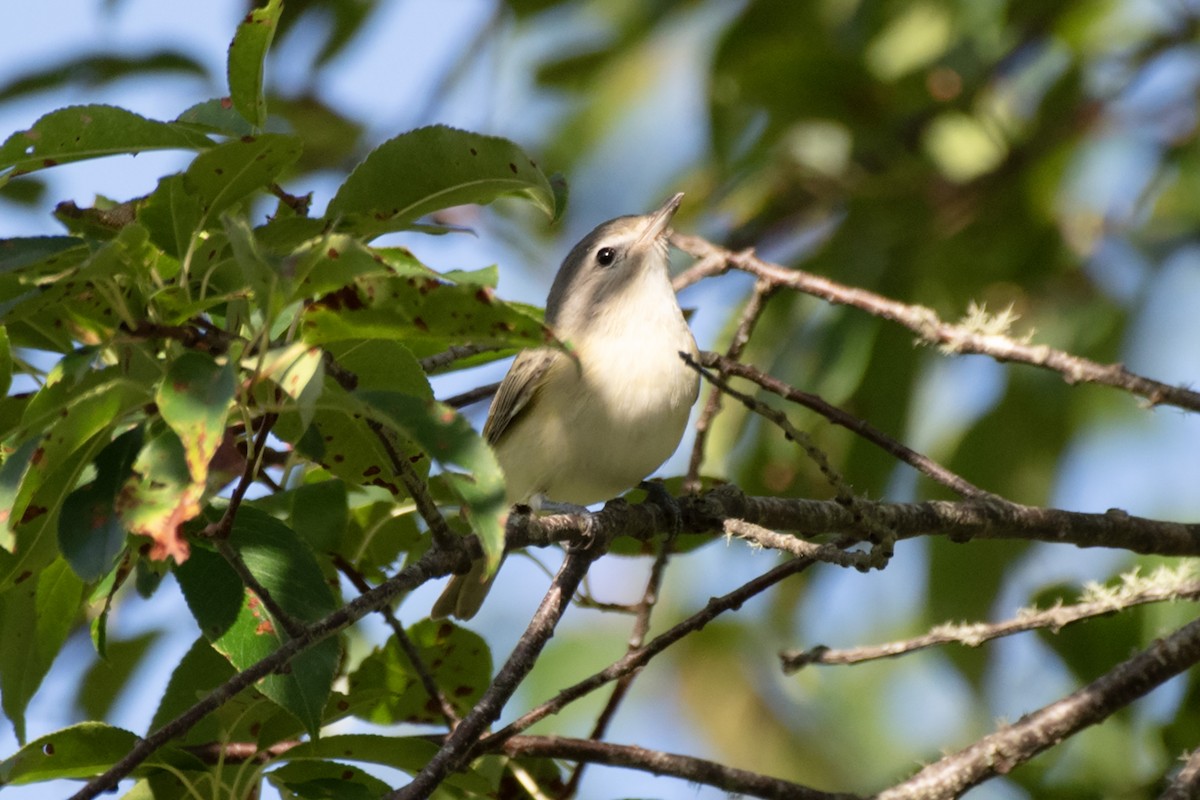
(77, 133)
(83, 751)
(386, 690)
(35, 618)
(90, 533)
(245, 65)
(194, 399)
(432, 168)
(242, 630)
(446, 435)
(224, 174)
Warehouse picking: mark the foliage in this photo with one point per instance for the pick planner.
(213, 381)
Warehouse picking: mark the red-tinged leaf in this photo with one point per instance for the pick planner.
(161, 496)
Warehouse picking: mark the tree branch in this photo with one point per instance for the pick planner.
(1011, 746)
(695, 770)
(636, 659)
(712, 406)
(926, 324)
(1103, 603)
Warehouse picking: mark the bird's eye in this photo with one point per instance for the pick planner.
(606, 256)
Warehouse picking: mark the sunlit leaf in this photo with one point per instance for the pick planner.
(83, 751)
(432, 168)
(76, 133)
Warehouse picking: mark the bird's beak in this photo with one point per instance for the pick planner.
(657, 222)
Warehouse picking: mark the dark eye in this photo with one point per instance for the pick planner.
(606, 256)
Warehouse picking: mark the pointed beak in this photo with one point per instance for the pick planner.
(657, 222)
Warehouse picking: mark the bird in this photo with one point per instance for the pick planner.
(587, 421)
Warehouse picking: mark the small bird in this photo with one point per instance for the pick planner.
(587, 423)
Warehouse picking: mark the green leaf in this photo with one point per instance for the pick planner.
(326, 780)
(242, 630)
(447, 436)
(428, 169)
(223, 175)
(245, 66)
(425, 314)
(90, 533)
(67, 413)
(194, 399)
(386, 690)
(320, 513)
(83, 751)
(172, 215)
(35, 618)
(39, 253)
(77, 133)
(6, 362)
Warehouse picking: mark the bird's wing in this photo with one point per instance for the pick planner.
(519, 388)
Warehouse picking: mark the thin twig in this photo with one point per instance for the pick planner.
(637, 637)
(473, 396)
(928, 326)
(790, 432)
(636, 659)
(973, 635)
(712, 406)
(460, 744)
(406, 644)
(826, 553)
(1186, 783)
(1000, 752)
(457, 353)
(694, 770)
(923, 464)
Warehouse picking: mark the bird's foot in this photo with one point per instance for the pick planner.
(657, 494)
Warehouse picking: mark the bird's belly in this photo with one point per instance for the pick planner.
(596, 435)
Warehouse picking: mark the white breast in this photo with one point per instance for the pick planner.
(611, 416)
